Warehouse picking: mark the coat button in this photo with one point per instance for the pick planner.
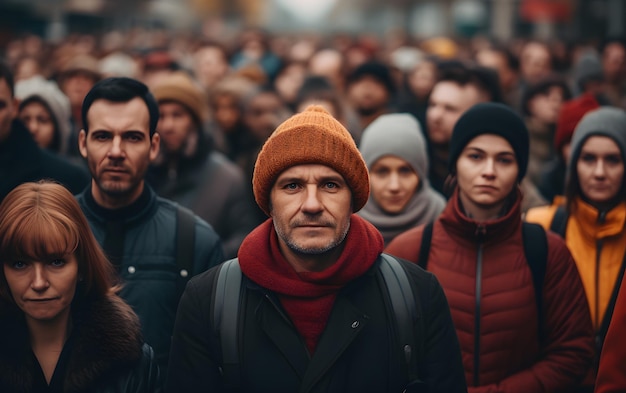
(131, 269)
(355, 324)
(184, 273)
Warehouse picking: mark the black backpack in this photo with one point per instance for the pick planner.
(227, 302)
(535, 250)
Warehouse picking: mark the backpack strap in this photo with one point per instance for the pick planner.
(536, 253)
(185, 239)
(608, 314)
(427, 237)
(226, 318)
(405, 311)
(559, 221)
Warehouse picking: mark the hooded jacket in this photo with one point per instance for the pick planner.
(105, 353)
(489, 286)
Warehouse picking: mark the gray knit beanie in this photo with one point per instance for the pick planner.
(397, 134)
(604, 121)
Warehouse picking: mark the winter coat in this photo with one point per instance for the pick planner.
(215, 189)
(105, 353)
(354, 354)
(148, 266)
(499, 329)
(21, 160)
(612, 369)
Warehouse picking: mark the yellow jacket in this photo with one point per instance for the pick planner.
(598, 248)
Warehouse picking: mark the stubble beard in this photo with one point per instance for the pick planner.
(311, 250)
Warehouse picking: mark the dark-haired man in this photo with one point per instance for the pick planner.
(140, 232)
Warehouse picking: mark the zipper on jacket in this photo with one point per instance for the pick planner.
(596, 317)
(479, 274)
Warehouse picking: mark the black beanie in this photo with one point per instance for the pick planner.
(491, 118)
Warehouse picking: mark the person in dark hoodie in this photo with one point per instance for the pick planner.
(21, 159)
(189, 171)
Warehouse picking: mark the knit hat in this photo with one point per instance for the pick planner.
(180, 88)
(310, 137)
(569, 116)
(588, 68)
(57, 102)
(396, 134)
(491, 118)
(605, 121)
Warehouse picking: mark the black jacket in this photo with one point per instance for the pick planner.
(21, 160)
(104, 354)
(355, 353)
(147, 266)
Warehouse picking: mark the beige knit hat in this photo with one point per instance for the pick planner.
(180, 87)
(310, 137)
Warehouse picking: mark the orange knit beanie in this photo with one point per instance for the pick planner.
(310, 137)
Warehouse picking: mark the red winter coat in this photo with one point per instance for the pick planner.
(498, 329)
(612, 369)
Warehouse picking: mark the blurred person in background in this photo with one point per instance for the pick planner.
(210, 64)
(63, 328)
(190, 172)
(535, 62)
(394, 150)
(21, 159)
(317, 90)
(541, 105)
(45, 111)
(613, 52)
(288, 81)
(417, 85)
(254, 49)
(370, 90)
(553, 179)
(501, 59)
(592, 216)
(329, 63)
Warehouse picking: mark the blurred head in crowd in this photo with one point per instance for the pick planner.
(288, 81)
(503, 61)
(210, 64)
(157, 64)
(26, 67)
(535, 61)
(317, 90)
(263, 111)
(570, 114)
(77, 76)
(226, 102)
(459, 87)
(119, 139)
(370, 88)
(182, 113)
(330, 64)
(422, 78)
(613, 53)
(542, 101)
(8, 103)
(45, 111)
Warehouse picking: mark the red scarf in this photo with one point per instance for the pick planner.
(308, 297)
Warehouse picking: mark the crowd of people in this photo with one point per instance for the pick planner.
(143, 179)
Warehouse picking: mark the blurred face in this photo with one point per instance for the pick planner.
(43, 290)
(118, 150)
(498, 62)
(210, 65)
(311, 207)
(535, 62)
(447, 103)
(393, 182)
(289, 81)
(486, 174)
(226, 112)
(423, 78)
(174, 126)
(600, 169)
(8, 109)
(368, 96)
(76, 88)
(614, 62)
(264, 113)
(546, 107)
(36, 117)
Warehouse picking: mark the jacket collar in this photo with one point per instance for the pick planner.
(106, 337)
(144, 206)
(467, 229)
(596, 224)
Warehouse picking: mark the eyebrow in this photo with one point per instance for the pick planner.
(324, 179)
(482, 151)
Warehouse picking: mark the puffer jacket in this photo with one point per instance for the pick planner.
(148, 268)
(489, 286)
(105, 353)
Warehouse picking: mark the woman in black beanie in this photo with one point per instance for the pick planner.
(521, 328)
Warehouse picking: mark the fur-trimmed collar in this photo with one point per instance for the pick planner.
(106, 339)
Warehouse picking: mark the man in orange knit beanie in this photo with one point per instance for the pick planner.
(316, 309)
